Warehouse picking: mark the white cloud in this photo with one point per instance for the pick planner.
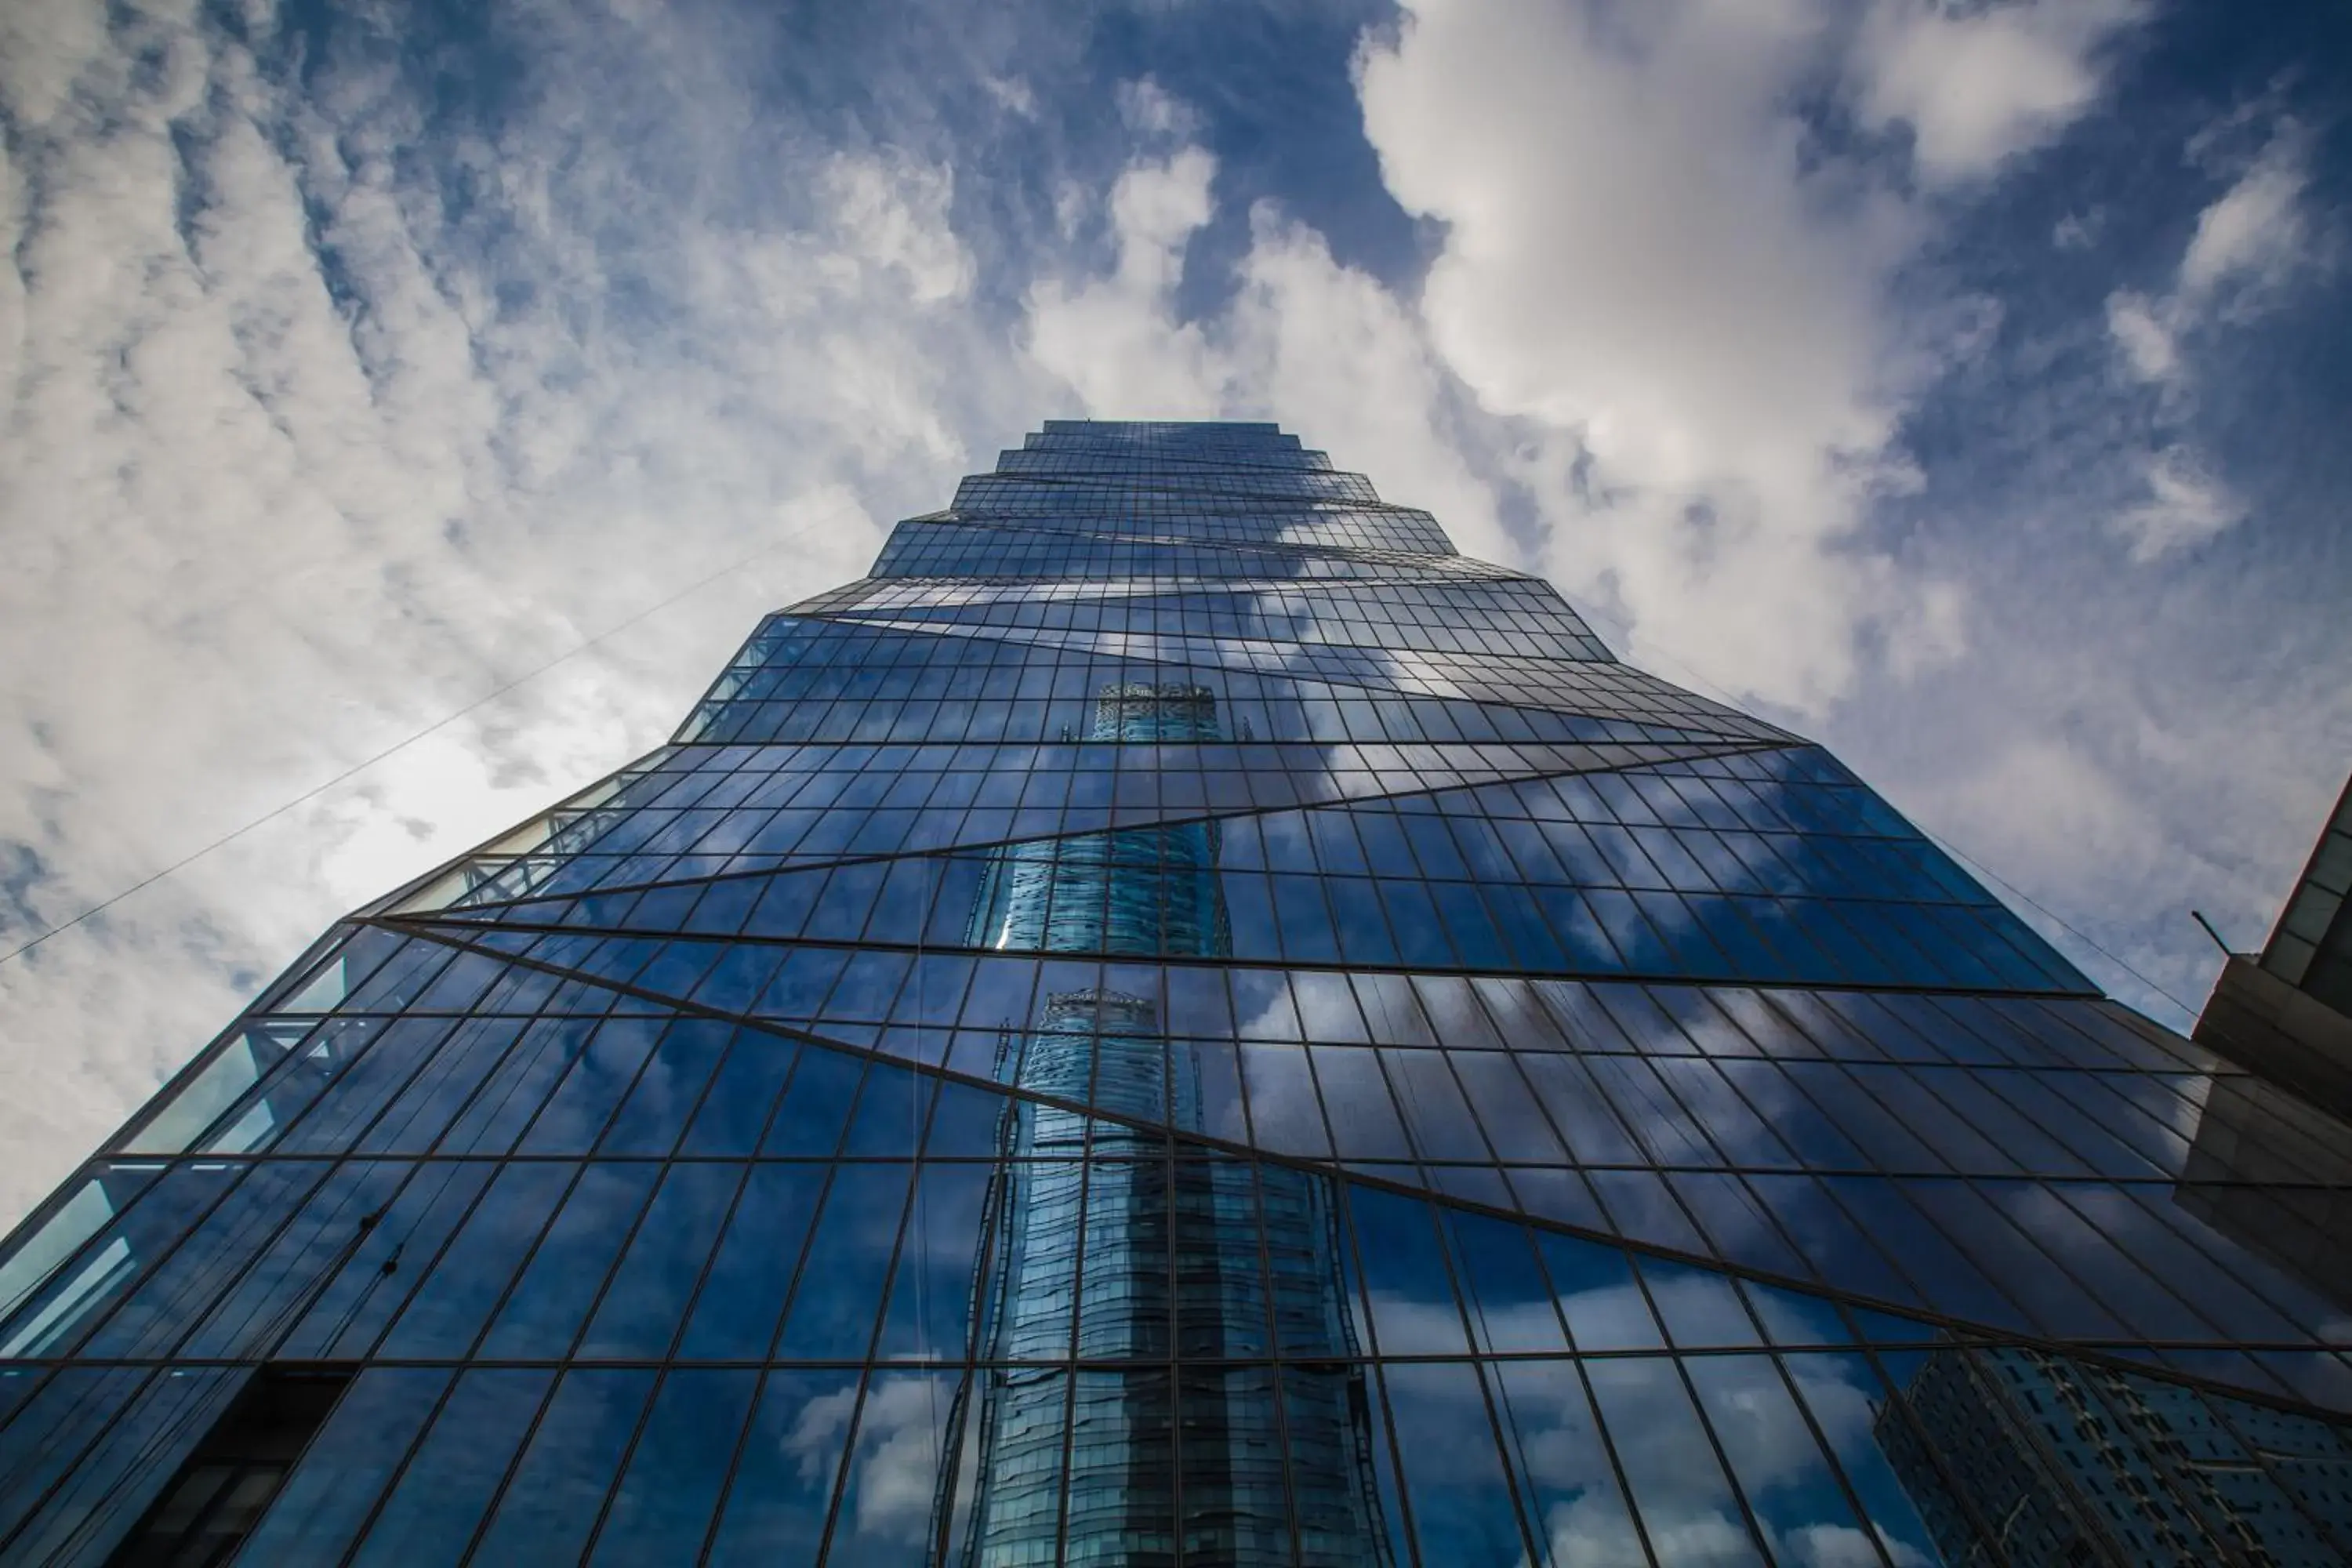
(1323, 348)
(1979, 84)
(895, 1473)
(2255, 232)
(1644, 260)
(296, 456)
(2078, 231)
(1113, 339)
(2249, 240)
(2186, 506)
(1151, 111)
(2137, 325)
(1012, 94)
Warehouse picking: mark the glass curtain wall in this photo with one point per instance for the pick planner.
(1180, 1020)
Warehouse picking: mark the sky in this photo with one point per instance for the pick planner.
(1960, 384)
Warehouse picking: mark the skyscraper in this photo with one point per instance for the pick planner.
(1182, 1020)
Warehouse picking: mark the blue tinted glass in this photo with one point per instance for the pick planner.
(787, 1469)
(1183, 1019)
(662, 1508)
(557, 1490)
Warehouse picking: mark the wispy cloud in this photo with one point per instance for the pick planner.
(2247, 245)
(303, 385)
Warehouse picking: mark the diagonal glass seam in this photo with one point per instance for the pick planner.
(1441, 568)
(1178, 587)
(1753, 731)
(1337, 1168)
(1550, 668)
(1113, 823)
(1192, 653)
(1299, 498)
(1075, 527)
(438, 919)
(1218, 462)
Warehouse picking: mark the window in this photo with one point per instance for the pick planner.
(225, 1485)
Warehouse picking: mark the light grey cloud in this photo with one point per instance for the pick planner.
(1324, 348)
(2255, 233)
(2248, 243)
(2187, 505)
(1979, 84)
(1151, 111)
(1645, 260)
(2246, 246)
(2078, 231)
(285, 431)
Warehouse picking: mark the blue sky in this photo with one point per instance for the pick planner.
(1962, 385)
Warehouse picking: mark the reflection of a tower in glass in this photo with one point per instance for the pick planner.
(2070, 1462)
(1154, 1255)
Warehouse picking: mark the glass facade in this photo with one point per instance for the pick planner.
(1180, 1020)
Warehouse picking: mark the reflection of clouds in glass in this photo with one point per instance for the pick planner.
(815, 1440)
(1584, 1536)
(1284, 1110)
(1757, 1417)
(1327, 1006)
(1262, 1000)
(895, 1464)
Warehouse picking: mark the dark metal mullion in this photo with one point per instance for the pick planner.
(1780, 1359)
(1898, 1402)
(784, 1310)
(985, 1262)
(421, 1164)
(1521, 1508)
(588, 1318)
(1720, 748)
(2117, 1355)
(457, 1369)
(873, 1341)
(218, 1294)
(1816, 1175)
(694, 1297)
(67, 1472)
(579, 1163)
(2235, 1270)
(162, 1254)
(1698, 1410)
(1344, 1228)
(1577, 1359)
(2318, 1523)
(759, 1389)
(490, 1317)
(564, 1366)
(2058, 1264)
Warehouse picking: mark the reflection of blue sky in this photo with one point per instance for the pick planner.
(1750, 1092)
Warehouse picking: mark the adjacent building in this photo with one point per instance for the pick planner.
(1182, 1020)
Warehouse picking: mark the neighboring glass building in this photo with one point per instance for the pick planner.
(1181, 1021)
